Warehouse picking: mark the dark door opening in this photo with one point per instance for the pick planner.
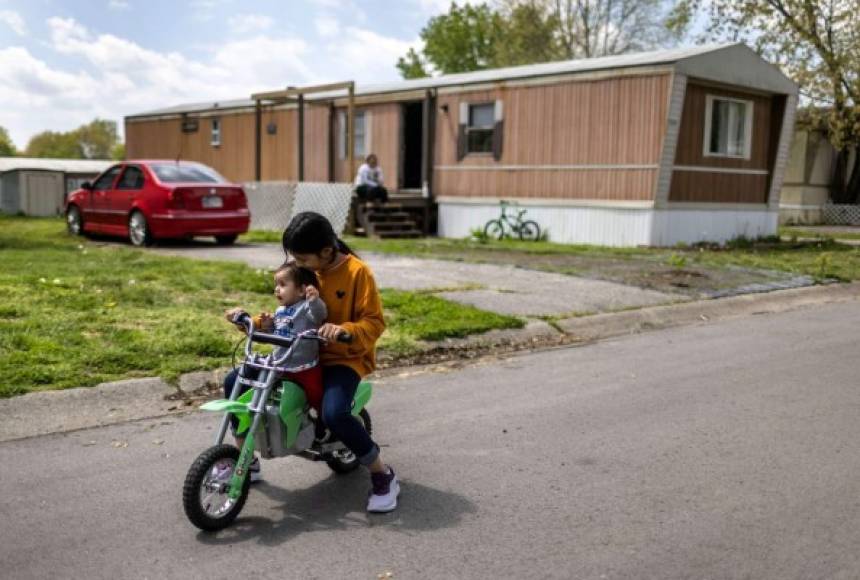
(411, 140)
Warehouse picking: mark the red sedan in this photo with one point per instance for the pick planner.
(148, 200)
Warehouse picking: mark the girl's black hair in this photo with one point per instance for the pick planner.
(300, 276)
(311, 233)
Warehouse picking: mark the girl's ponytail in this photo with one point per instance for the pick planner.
(343, 248)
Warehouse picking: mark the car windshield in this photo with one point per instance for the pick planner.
(185, 173)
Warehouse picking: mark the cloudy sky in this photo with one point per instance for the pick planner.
(65, 62)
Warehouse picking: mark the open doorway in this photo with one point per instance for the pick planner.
(411, 145)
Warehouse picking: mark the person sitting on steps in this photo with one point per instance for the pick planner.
(368, 181)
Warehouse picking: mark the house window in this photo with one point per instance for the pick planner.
(479, 131)
(216, 132)
(361, 146)
(728, 127)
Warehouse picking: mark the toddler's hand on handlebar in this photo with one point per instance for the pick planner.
(265, 321)
(232, 315)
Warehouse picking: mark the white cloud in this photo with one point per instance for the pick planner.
(119, 5)
(108, 76)
(368, 56)
(245, 23)
(434, 7)
(203, 9)
(327, 26)
(14, 21)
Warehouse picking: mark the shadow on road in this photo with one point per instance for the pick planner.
(337, 503)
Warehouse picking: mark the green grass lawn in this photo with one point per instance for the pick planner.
(76, 313)
(801, 232)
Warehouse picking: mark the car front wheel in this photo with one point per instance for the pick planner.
(138, 230)
(74, 221)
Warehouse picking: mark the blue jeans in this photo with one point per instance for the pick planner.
(339, 384)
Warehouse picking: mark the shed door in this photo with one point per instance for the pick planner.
(43, 194)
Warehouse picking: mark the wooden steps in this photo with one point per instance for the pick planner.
(384, 220)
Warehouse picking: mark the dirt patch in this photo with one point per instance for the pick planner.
(652, 272)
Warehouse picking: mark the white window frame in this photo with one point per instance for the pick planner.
(469, 127)
(748, 126)
(215, 139)
(342, 136)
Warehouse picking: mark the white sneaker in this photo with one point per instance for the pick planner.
(254, 470)
(383, 496)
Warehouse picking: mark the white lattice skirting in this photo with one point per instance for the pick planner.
(274, 203)
(840, 214)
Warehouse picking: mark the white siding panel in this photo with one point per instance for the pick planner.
(688, 226)
(566, 225)
(618, 226)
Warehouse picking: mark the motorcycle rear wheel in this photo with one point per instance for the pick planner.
(204, 495)
(346, 461)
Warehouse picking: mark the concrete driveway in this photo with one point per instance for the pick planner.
(502, 289)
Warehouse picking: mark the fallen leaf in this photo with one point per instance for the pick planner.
(158, 442)
(89, 443)
(119, 444)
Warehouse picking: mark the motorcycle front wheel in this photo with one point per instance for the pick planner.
(204, 495)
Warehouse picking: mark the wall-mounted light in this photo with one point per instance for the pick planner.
(272, 128)
(444, 108)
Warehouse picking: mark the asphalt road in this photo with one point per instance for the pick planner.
(727, 450)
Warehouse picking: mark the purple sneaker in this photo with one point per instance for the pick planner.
(383, 496)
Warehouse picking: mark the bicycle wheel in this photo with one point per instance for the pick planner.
(494, 229)
(529, 231)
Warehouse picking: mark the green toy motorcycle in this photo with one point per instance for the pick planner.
(276, 421)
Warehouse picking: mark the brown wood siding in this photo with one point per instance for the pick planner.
(697, 186)
(156, 139)
(616, 121)
(278, 152)
(316, 143)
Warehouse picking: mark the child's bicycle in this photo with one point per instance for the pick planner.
(508, 226)
(275, 419)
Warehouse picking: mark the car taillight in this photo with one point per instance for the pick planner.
(243, 201)
(176, 199)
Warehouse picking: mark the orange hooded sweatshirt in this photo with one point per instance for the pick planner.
(350, 294)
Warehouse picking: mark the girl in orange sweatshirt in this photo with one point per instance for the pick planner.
(349, 291)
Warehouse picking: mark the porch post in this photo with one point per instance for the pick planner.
(258, 140)
(301, 134)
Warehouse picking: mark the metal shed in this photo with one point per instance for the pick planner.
(38, 187)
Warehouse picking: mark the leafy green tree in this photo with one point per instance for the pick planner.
(7, 147)
(56, 145)
(118, 152)
(818, 45)
(528, 34)
(463, 39)
(412, 66)
(97, 139)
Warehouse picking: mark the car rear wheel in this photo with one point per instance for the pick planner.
(225, 240)
(138, 230)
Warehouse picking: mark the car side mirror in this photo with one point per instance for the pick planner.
(87, 185)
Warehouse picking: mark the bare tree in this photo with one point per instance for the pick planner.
(589, 28)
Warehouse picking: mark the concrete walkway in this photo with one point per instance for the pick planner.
(502, 289)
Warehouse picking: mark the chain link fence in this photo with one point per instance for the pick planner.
(274, 203)
(834, 214)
